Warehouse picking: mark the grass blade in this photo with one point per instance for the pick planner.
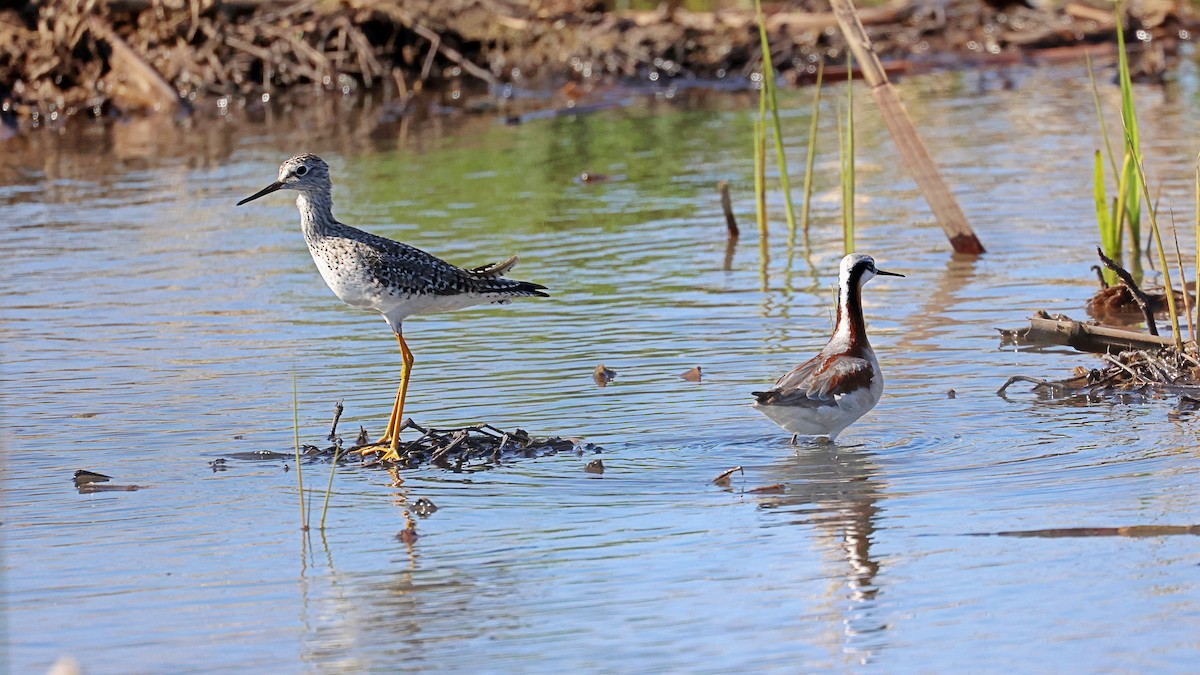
(848, 177)
(769, 84)
(1133, 143)
(1162, 256)
(812, 150)
(296, 433)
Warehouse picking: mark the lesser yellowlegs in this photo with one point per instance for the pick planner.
(371, 272)
(829, 392)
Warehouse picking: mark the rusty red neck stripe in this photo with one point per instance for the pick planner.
(850, 325)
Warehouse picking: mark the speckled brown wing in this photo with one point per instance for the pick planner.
(819, 381)
(408, 268)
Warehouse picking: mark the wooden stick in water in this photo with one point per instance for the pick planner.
(950, 216)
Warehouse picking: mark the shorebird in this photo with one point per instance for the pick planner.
(372, 272)
(829, 392)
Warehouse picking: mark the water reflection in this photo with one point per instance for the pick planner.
(837, 491)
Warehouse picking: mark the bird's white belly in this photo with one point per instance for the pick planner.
(828, 420)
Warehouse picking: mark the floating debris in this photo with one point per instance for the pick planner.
(603, 375)
(471, 447)
(775, 489)
(588, 177)
(1056, 329)
(83, 477)
(594, 466)
(723, 480)
(424, 508)
(692, 375)
(1138, 372)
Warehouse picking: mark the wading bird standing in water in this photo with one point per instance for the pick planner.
(371, 272)
(829, 392)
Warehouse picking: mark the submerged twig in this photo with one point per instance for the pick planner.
(727, 206)
(337, 415)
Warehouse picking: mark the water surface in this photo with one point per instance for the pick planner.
(151, 327)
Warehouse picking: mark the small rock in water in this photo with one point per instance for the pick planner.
(603, 375)
(424, 507)
(692, 375)
(594, 466)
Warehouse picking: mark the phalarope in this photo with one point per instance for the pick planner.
(829, 392)
(371, 272)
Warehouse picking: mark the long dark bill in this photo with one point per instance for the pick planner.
(877, 271)
(265, 191)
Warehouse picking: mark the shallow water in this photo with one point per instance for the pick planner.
(151, 327)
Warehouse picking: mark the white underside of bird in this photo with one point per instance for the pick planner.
(828, 416)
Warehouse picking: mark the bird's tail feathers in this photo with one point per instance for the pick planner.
(495, 270)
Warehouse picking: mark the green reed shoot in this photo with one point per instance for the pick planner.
(1195, 274)
(812, 149)
(847, 155)
(296, 432)
(769, 88)
(1133, 146)
(760, 169)
(1124, 215)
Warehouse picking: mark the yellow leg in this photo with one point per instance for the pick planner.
(391, 437)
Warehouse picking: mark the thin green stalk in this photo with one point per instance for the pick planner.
(1133, 143)
(329, 488)
(1187, 307)
(1196, 274)
(769, 84)
(1162, 256)
(760, 179)
(1112, 160)
(296, 432)
(812, 149)
(1108, 239)
(848, 177)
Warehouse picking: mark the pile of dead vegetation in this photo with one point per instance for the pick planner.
(61, 57)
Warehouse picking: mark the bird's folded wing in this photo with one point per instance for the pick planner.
(819, 381)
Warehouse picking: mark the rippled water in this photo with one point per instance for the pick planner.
(151, 327)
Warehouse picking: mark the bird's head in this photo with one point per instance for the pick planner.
(857, 269)
(303, 173)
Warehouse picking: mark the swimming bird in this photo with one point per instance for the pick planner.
(372, 272)
(829, 392)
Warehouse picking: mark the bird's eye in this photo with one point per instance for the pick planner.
(301, 170)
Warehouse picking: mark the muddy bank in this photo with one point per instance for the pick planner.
(63, 57)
